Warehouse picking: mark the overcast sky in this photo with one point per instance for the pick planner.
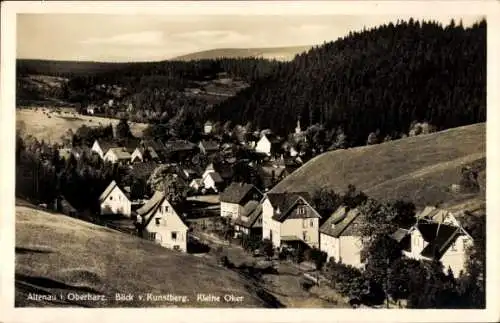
(100, 37)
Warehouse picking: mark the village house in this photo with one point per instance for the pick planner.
(142, 154)
(178, 150)
(208, 147)
(115, 200)
(196, 184)
(213, 181)
(117, 155)
(340, 237)
(235, 196)
(101, 147)
(249, 221)
(288, 219)
(208, 127)
(438, 215)
(436, 241)
(160, 222)
(155, 147)
(268, 144)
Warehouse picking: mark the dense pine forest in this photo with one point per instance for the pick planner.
(371, 84)
(383, 78)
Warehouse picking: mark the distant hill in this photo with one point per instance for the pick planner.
(421, 169)
(277, 53)
(58, 254)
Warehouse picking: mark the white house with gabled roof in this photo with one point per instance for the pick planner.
(161, 223)
(115, 200)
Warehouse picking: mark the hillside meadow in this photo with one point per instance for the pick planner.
(58, 254)
(420, 169)
(49, 125)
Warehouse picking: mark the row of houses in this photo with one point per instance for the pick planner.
(290, 220)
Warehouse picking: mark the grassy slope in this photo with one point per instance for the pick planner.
(53, 249)
(279, 53)
(419, 168)
(39, 125)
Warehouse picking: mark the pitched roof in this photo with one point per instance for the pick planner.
(343, 223)
(251, 212)
(143, 170)
(109, 189)
(338, 215)
(148, 210)
(155, 144)
(179, 145)
(400, 234)
(236, 192)
(438, 236)
(209, 144)
(120, 153)
(216, 177)
(284, 202)
(107, 144)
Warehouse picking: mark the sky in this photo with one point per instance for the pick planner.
(118, 38)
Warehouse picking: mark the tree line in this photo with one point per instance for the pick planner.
(378, 80)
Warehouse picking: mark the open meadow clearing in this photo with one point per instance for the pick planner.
(49, 125)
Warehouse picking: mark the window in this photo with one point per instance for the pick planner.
(304, 235)
(165, 208)
(311, 223)
(454, 246)
(157, 221)
(111, 198)
(304, 223)
(301, 210)
(174, 235)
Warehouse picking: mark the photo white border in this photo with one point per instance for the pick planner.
(405, 8)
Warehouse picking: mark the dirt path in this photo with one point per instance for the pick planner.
(286, 286)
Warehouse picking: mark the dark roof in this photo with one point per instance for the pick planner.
(400, 234)
(341, 223)
(284, 202)
(251, 212)
(121, 153)
(216, 177)
(148, 210)
(143, 170)
(179, 145)
(107, 144)
(236, 192)
(155, 144)
(438, 236)
(209, 145)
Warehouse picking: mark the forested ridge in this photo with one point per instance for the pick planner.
(375, 82)
(383, 78)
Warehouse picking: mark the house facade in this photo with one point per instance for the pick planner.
(162, 224)
(340, 238)
(213, 181)
(234, 198)
(435, 241)
(263, 146)
(115, 200)
(117, 155)
(249, 222)
(289, 219)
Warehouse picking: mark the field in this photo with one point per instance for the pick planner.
(50, 126)
(58, 254)
(278, 53)
(421, 169)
